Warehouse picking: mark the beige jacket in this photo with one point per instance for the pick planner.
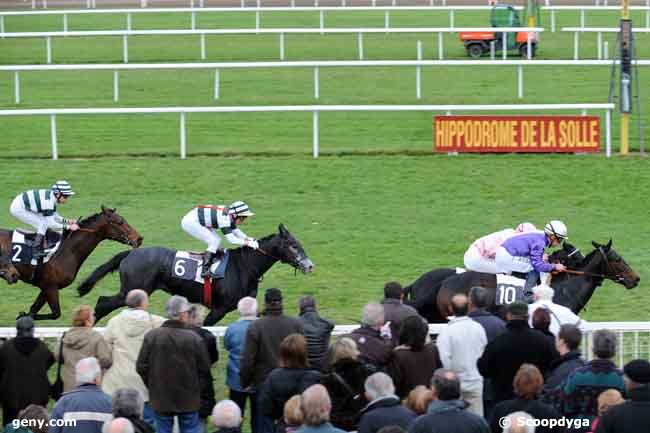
(124, 335)
(79, 343)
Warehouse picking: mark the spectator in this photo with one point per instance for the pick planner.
(478, 304)
(519, 422)
(124, 335)
(418, 399)
(82, 341)
(24, 362)
(606, 399)
(446, 413)
(506, 353)
(384, 407)
(37, 418)
(87, 406)
(541, 320)
(373, 347)
(345, 383)
(262, 348)
(128, 403)
(528, 385)
(227, 417)
(413, 361)
(560, 315)
(118, 425)
(317, 331)
(195, 317)
(291, 378)
(577, 396)
(316, 406)
(233, 341)
(292, 415)
(174, 365)
(632, 416)
(394, 310)
(567, 343)
(461, 344)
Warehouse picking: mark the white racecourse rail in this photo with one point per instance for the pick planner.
(314, 109)
(599, 30)
(633, 337)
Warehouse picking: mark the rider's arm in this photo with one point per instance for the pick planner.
(233, 238)
(537, 260)
(56, 222)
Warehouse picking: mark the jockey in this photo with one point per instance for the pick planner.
(525, 253)
(479, 257)
(200, 221)
(37, 207)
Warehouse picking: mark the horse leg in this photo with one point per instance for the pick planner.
(52, 298)
(107, 304)
(215, 315)
(38, 304)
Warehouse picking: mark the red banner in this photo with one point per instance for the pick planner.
(488, 134)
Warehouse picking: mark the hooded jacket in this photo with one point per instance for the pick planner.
(449, 416)
(385, 411)
(78, 343)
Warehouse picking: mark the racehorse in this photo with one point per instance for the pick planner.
(151, 268)
(8, 271)
(572, 289)
(61, 270)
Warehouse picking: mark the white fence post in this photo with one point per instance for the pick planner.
(386, 19)
(315, 133)
(281, 46)
(193, 21)
(418, 73)
(440, 54)
(360, 45)
(553, 21)
(257, 20)
(202, 40)
(600, 45)
(582, 18)
(608, 133)
(65, 22)
(605, 50)
(520, 82)
(17, 87)
(116, 86)
(55, 148)
(321, 20)
(183, 137)
(129, 21)
(2, 24)
(216, 84)
(504, 45)
(125, 49)
(316, 83)
(576, 45)
(493, 50)
(451, 18)
(48, 48)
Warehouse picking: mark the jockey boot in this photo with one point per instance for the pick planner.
(208, 257)
(38, 249)
(531, 281)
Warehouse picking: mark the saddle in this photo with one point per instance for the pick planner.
(51, 238)
(22, 247)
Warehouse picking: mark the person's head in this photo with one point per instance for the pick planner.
(413, 332)
(517, 311)
(306, 303)
(636, 373)
(178, 308)
(196, 314)
(36, 413)
(83, 316)
(393, 290)
(379, 385)
(391, 429)
(293, 352)
(541, 320)
(138, 299)
(25, 326)
(372, 315)
(128, 403)
(543, 292)
(239, 211)
(226, 414)
(604, 344)
(519, 422)
(344, 348)
(528, 382)
(292, 412)
(478, 298)
(445, 385)
(62, 191)
(118, 425)
(459, 304)
(315, 405)
(525, 227)
(87, 370)
(418, 399)
(247, 307)
(273, 299)
(556, 232)
(607, 399)
(568, 339)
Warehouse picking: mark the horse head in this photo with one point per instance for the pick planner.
(8, 271)
(112, 225)
(613, 266)
(286, 248)
(568, 255)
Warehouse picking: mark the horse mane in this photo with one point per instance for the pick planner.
(89, 220)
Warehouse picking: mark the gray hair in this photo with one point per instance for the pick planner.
(135, 298)
(445, 384)
(87, 370)
(316, 405)
(519, 422)
(478, 297)
(226, 413)
(372, 315)
(247, 306)
(544, 292)
(176, 305)
(379, 385)
(196, 314)
(118, 425)
(128, 402)
(604, 344)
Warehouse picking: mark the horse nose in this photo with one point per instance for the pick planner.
(138, 241)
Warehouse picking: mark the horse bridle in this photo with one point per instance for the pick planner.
(295, 263)
(123, 237)
(609, 269)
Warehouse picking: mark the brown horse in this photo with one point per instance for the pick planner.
(8, 271)
(62, 269)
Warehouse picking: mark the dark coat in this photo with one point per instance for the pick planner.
(281, 385)
(262, 347)
(410, 369)
(373, 348)
(24, 362)
(448, 417)
(174, 365)
(562, 367)
(383, 412)
(633, 416)
(395, 312)
(140, 426)
(318, 331)
(207, 395)
(506, 353)
(535, 408)
(210, 342)
(492, 324)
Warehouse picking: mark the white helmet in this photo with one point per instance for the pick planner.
(526, 227)
(62, 187)
(556, 228)
(239, 209)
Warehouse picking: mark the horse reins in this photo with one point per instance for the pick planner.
(608, 266)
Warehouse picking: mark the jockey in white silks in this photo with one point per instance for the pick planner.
(480, 256)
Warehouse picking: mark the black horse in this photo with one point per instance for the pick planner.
(150, 269)
(432, 292)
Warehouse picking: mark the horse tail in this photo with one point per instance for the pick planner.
(99, 273)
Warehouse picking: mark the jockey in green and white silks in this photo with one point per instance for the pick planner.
(201, 221)
(37, 208)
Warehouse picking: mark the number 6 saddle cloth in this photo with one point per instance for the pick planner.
(187, 266)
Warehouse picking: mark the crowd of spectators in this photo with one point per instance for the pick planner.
(286, 374)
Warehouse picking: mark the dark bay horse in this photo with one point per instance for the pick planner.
(75, 248)
(150, 269)
(8, 271)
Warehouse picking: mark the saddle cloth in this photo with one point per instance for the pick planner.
(187, 266)
(22, 245)
(509, 289)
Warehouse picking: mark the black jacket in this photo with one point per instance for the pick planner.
(449, 416)
(535, 408)
(318, 331)
(140, 426)
(633, 416)
(562, 367)
(373, 348)
(281, 385)
(410, 369)
(383, 412)
(492, 324)
(395, 312)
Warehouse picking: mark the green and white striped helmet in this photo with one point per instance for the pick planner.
(239, 209)
(62, 187)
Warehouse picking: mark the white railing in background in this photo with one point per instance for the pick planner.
(599, 30)
(314, 109)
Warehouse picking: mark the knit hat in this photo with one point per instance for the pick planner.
(272, 296)
(25, 326)
(638, 370)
